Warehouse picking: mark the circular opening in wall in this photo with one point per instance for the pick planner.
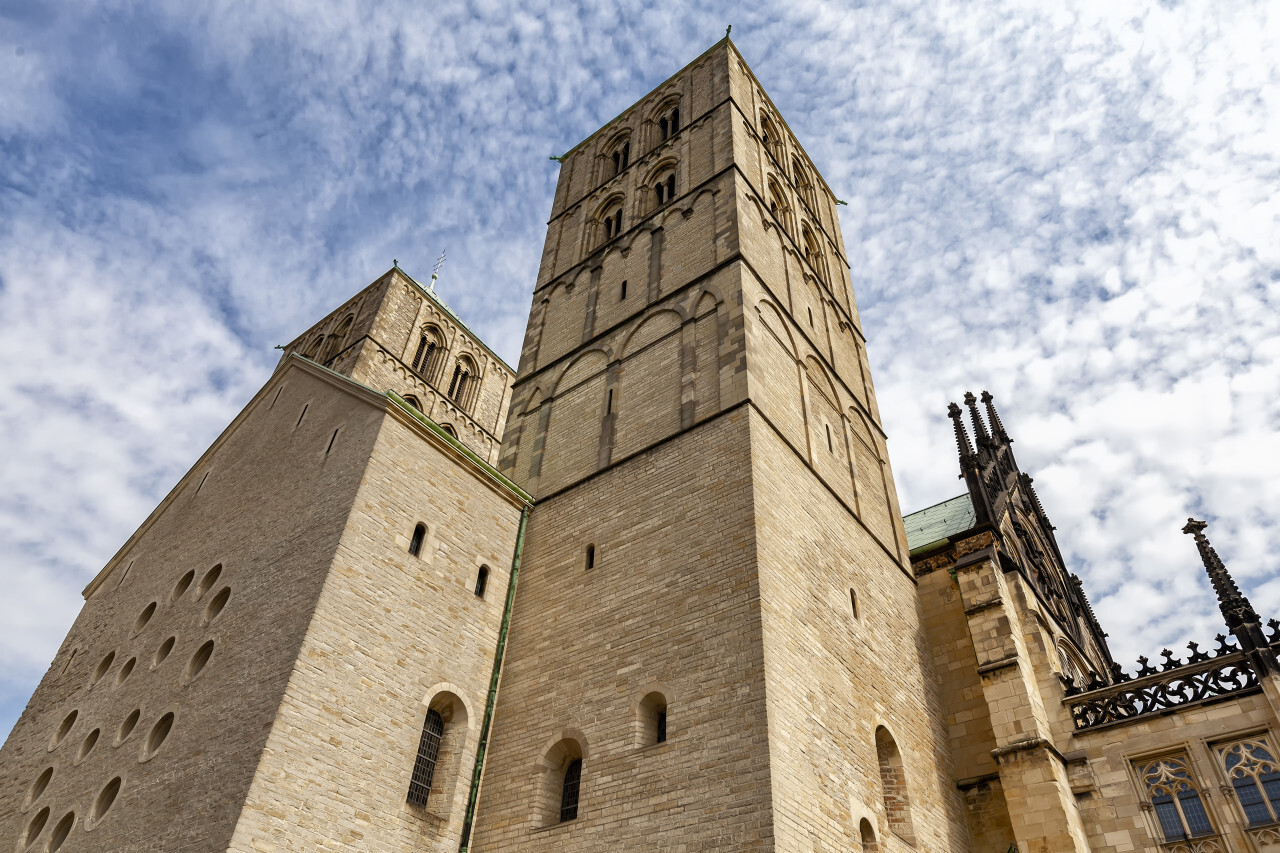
(126, 728)
(61, 831)
(163, 651)
(38, 786)
(90, 741)
(67, 723)
(216, 604)
(159, 732)
(181, 586)
(210, 578)
(106, 797)
(144, 617)
(37, 824)
(199, 659)
(102, 668)
(126, 670)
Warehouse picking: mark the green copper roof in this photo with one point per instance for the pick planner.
(932, 525)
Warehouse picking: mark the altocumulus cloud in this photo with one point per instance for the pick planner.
(1073, 206)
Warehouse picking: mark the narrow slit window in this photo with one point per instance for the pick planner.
(853, 602)
(301, 416)
(622, 293)
(830, 447)
(332, 439)
(608, 406)
(482, 581)
(591, 556)
(662, 726)
(569, 791)
(424, 768)
(811, 318)
(415, 544)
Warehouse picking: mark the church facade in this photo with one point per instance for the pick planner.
(650, 591)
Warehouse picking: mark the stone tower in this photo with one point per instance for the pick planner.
(253, 669)
(716, 637)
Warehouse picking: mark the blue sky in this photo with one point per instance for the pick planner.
(1073, 206)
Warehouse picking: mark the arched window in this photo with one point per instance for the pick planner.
(424, 768)
(482, 581)
(652, 719)
(867, 836)
(464, 378)
(338, 338)
(1255, 776)
(664, 189)
(415, 544)
(591, 556)
(769, 137)
(669, 124)
(778, 203)
(611, 221)
(569, 790)
(413, 401)
(893, 781)
(804, 184)
(1176, 798)
(812, 253)
(621, 157)
(449, 430)
(316, 347)
(429, 354)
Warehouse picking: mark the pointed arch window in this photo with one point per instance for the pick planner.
(317, 346)
(812, 252)
(1251, 767)
(804, 184)
(1174, 794)
(769, 137)
(778, 206)
(338, 338)
(893, 781)
(424, 768)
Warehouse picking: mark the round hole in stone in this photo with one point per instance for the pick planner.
(102, 668)
(209, 579)
(144, 617)
(67, 723)
(126, 728)
(61, 831)
(38, 786)
(199, 659)
(126, 670)
(37, 824)
(106, 797)
(90, 741)
(181, 586)
(163, 651)
(159, 732)
(216, 604)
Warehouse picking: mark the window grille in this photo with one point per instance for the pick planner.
(1255, 776)
(428, 751)
(415, 544)
(569, 793)
(1176, 798)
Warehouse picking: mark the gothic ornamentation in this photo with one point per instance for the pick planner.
(1161, 691)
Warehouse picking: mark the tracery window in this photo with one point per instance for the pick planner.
(1255, 776)
(1176, 798)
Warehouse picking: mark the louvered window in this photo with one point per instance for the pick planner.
(428, 751)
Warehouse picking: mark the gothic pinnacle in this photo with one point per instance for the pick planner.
(980, 433)
(962, 437)
(997, 428)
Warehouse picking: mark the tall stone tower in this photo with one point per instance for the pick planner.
(716, 642)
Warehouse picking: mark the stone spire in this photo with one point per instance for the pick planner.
(962, 437)
(997, 428)
(1242, 620)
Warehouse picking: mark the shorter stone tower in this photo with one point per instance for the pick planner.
(317, 601)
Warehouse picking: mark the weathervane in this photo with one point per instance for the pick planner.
(435, 272)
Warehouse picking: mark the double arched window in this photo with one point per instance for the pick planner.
(664, 188)
(778, 206)
(620, 156)
(769, 137)
(462, 385)
(337, 339)
(669, 123)
(812, 252)
(804, 184)
(611, 220)
(429, 354)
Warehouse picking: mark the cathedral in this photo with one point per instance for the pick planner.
(650, 591)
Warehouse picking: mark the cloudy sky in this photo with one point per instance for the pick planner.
(1072, 205)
